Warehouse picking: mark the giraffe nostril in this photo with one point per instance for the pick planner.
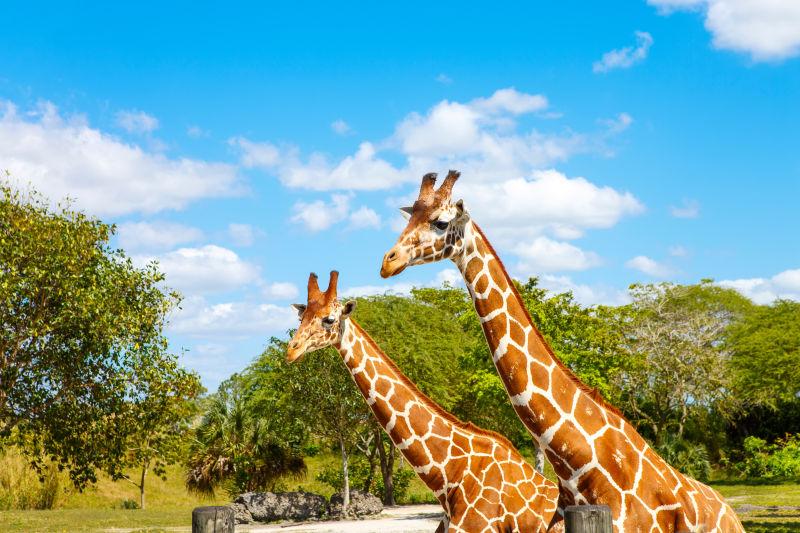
(392, 256)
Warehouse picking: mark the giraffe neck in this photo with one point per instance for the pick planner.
(411, 419)
(544, 393)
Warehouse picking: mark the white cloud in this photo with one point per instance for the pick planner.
(134, 121)
(242, 234)
(238, 319)
(157, 235)
(320, 215)
(281, 291)
(196, 132)
(583, 293)
(548, 201)
(256, 155)
(444, 79)
(625, 57)
(678, 251)
(618, 124)
(767, 30)
(403, 288)
(546, 255)
(364, 217)
(361, 171)
(341, 127)
(687, 209)
(649, 266)
(785, 285)
(206, 269)
(66, 157)
(510, 100)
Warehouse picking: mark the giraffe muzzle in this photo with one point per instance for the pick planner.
(394, 262)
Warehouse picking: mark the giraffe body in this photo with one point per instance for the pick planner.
(598, 456)
(479, 478)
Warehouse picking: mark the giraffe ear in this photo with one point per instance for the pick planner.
(349, 306)
(406, 212)
(460, 207)
(300, 308)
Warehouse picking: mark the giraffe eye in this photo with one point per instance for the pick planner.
(440, 225)
(328, 321)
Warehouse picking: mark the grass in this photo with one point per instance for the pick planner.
(169, 505)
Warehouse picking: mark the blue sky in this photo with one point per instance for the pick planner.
(601, 143)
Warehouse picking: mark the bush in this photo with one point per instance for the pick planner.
(778, 460)
(688, 458)
(359, 470)
(129, 504)
(21, 487)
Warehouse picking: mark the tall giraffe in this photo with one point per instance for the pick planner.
(598, 456)
(479, 478)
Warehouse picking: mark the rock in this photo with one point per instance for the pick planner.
(361, 504)
(241, 513)
(269, 506)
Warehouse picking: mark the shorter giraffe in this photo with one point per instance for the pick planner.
(480, 479)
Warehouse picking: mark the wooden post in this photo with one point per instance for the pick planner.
(587, 519)
(216, 519)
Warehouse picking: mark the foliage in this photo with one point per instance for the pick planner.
(679, 361)
(768, 337)
(79, 321)
(359, 471)
(780, 459)
(161, 404)
(237, 450)
(689, 458)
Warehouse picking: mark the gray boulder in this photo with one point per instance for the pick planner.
(361, 504)
(295, 506)
(241, 514)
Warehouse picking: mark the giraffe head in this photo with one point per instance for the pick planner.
(435, 229)
(321, 319)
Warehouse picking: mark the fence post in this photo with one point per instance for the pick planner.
(215, 519)
(587, 519)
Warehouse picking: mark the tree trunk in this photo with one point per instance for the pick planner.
(373, 455)
(141, 486)
(539, 458)
(387, 468)
(345, 477)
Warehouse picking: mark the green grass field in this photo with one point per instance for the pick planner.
(170, 505)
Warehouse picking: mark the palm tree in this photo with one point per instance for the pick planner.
(234, 448)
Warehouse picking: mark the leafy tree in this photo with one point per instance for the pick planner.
(675, 335)
(237, 449)
(767, 338)
(79, 321)
(157, 414)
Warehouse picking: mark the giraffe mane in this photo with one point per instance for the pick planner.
(592, 392)
(435, 407)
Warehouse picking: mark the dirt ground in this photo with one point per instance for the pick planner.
(405, 519)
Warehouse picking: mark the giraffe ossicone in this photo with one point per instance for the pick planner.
(479, 478)
(598, 456)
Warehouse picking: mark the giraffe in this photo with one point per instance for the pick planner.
(479, 478)
(597, 454)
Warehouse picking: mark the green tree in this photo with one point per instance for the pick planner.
(679, 360)
(237, 448)
(78, 322)
(160, 407)
(765, 354)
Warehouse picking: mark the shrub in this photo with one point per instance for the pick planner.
(21, 487)
(688, 458)
(780, 459)
(359, 470)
